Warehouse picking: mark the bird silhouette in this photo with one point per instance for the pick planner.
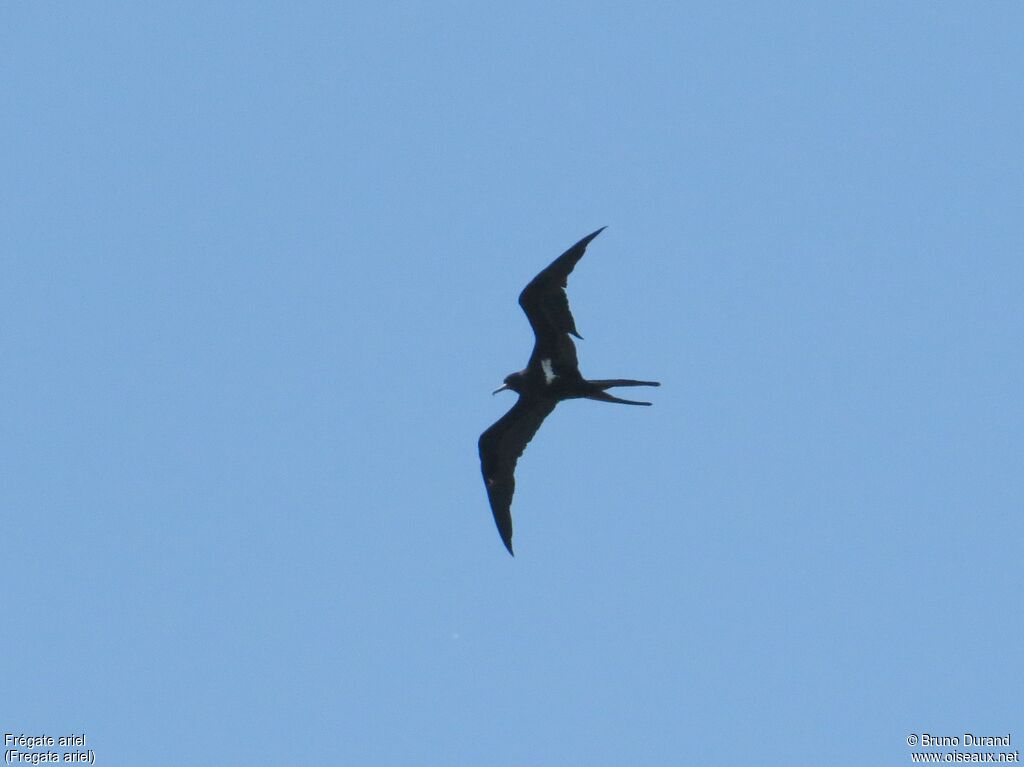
(551, 375)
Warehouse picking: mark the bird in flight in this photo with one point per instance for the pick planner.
(551, 375)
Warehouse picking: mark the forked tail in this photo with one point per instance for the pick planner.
(602, 396)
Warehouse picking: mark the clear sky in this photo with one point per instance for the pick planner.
(259, 274)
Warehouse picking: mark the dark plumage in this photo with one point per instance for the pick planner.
(551, 375)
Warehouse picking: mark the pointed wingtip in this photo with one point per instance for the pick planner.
(508, 545)
(586, 240)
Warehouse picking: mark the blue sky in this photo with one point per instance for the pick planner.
(259, 274)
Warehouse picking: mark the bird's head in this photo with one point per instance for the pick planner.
(513, 381)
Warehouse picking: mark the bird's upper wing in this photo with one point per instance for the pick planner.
(544, 299)
(500, 448)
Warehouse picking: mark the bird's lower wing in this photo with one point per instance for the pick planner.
(500, 447)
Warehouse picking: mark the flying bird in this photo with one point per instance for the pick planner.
(551, 375)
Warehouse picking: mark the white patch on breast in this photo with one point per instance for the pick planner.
(549, 372)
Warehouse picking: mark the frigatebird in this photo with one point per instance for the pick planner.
(551, 375)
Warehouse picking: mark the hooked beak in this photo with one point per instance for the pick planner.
(498, 390)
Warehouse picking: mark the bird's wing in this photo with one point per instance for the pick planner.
(500, 448)
(544, 299)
